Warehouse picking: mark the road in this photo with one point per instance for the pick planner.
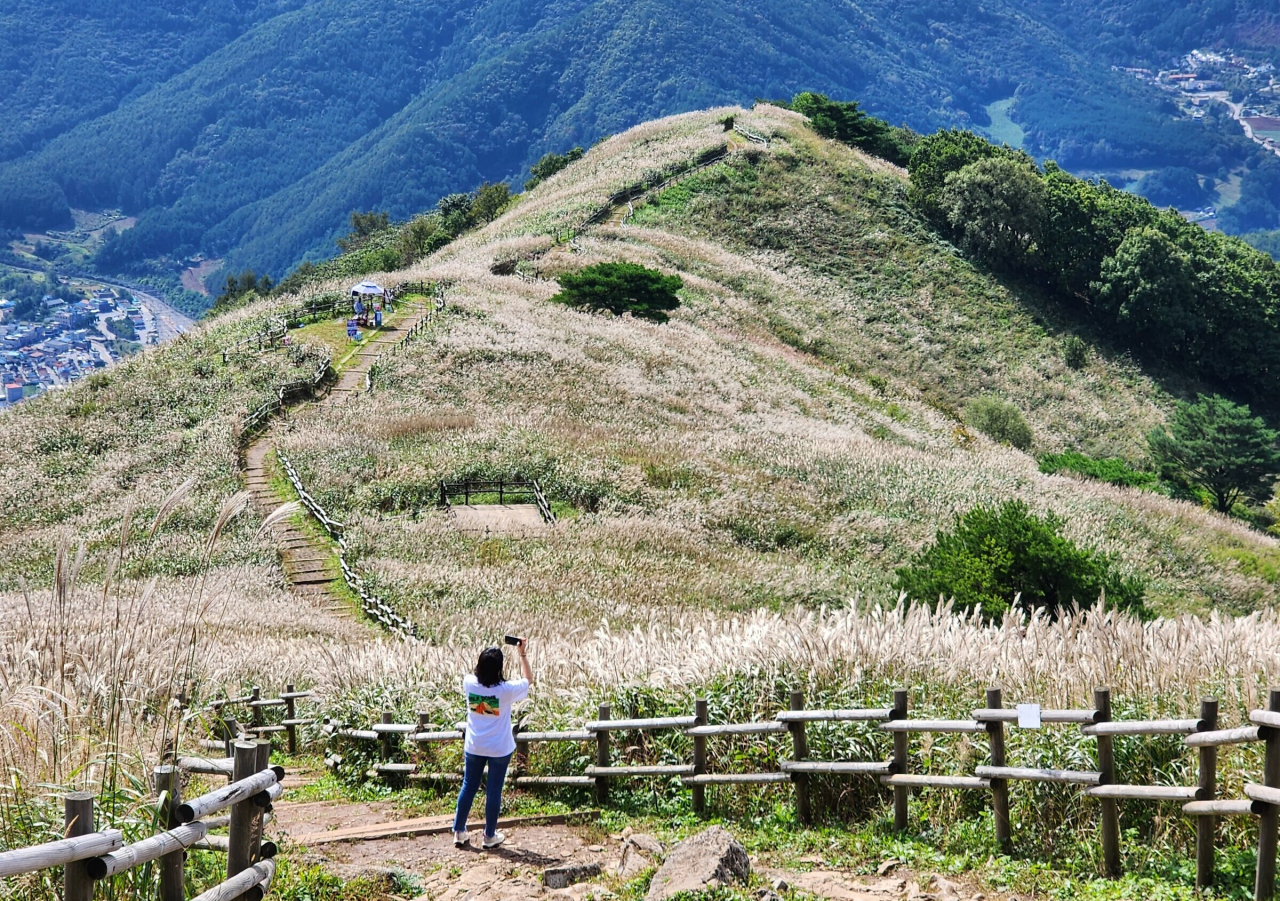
(169, 322)
(1236, 109)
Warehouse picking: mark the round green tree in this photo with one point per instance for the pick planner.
(621, 288)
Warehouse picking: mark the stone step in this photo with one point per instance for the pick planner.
(313, 579)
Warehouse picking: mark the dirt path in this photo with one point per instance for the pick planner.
(514, 872)
(310, 564)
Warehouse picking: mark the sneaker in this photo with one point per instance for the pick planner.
(460, 839)
(492, 841)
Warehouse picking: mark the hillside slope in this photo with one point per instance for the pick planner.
(255, 138)
(791, 436)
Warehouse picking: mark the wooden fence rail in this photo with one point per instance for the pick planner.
(1201, 735)
(374, 607)
(88, 855)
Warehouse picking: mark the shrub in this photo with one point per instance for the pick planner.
(1075, 353)
(1108, 469)
(1000, 421)
(621, 288)
(993, 554)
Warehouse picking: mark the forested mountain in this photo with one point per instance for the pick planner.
(248, 130)
(1152, 32)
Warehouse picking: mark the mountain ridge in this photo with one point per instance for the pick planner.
(258, 151)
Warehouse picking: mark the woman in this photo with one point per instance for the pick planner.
(489, 741)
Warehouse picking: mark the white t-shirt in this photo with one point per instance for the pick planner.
(489, 715)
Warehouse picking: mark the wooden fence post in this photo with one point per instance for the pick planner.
(230, 734)
(1207, 825)
(1264, 884)
(1107, 767)
(522, 750)
(168, 785)
(999, 787)
(602, 758)
(291, 714)
(700, 756)
(901, 702)
(77, 820)
(384, 740)
(240, 832)
(255, 712)
(263, 762)
(800, 749)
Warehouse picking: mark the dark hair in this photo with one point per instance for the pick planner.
(489, 667)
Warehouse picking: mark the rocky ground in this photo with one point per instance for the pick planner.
(583, 862)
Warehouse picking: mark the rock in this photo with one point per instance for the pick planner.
(563, 877)
(710, 856)
(887, 867)
(648, 844)
(627, 832)
(780, 885)
(595, 849)
(639, 852)
(945, 889)
(764, 894)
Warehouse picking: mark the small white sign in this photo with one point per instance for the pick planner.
(1028, 716)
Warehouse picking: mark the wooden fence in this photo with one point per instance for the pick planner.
(270, 335)
(1200, 734)
(752, 136)
(505, 489)
(259, 418)
(89, 855)
(374, 608)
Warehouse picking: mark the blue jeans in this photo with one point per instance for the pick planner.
(492, 791)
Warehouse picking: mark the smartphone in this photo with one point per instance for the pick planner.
(511, 639)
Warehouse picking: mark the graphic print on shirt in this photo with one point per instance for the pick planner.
(483, 705)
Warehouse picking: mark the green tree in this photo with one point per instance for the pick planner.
(994, 554)
(363, 227)
(1148, 289)
(489, 202)
(1221, 447)
(621, 288)
(844, 121)
(454, 211)
(422, 235)
(550, 164)
(239, 289)
(939, 155)
(995, 207)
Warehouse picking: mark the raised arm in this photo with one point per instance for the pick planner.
(524, 661)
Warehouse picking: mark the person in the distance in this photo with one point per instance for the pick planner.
(489, 741)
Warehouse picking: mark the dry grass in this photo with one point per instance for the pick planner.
(737, 485)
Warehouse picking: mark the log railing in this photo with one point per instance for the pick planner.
(89, 856)
(257, 420)
(374, 607)
(1200, 801)
(257, 724)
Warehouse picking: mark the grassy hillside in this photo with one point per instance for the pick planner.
(104, 455)
(250, 133)
(793, 434)
(735, 488)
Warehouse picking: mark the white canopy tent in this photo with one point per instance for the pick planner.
(368, 288)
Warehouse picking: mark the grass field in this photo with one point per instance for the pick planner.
(738, 486)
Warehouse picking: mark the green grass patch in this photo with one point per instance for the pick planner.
(1108, 469)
